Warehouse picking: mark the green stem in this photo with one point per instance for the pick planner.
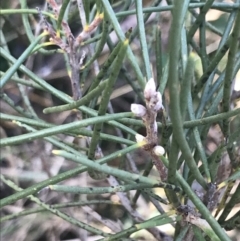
(199, 19)
(107, 64)
(153, 222)
(60, 95)
(212, 65)
(197, 138)
(25, 11)
(19, 109)
(23, 81)
(219, 6)
(235, 199)
(99, 190)
(116, 66)
(10, 72)
(61, 13)
(172, 172)
(226, 7)
(142, 37)
(146, 172)
(112, 17)
(188, 124)
(200, 206)
(232, 222)
(55, 211)
(100, 45)
(186, 85)
(115, 172)
(229, 72)
(158, 55)
(61, 177)
(55, 206)
(60, 129)
(26, 23)
(179, 12)
(84, 132)
(52, 140)
(182, 233)
(202, 39)
(28, 29)
(83, 101)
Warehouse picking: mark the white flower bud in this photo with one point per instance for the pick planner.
(158, 105)
(155, 102)
(140, 138)
(158, 150)
(150, 89)
(138, 110)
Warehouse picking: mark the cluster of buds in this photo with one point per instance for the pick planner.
(152, 97)
(148, 114)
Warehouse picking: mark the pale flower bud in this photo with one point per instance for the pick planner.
(155, 126)
(138, 110)
(150, 89)
(140, 138)
(155, 102)
(158, 150)
(158, 105)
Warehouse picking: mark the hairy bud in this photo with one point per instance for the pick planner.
(150, 89)
(138, 110)
(140, 138)
(155, 102)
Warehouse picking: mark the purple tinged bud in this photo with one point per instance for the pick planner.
(138, 110)
(150, 89)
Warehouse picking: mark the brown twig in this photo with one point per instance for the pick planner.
(72, 45)
(153, 101)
